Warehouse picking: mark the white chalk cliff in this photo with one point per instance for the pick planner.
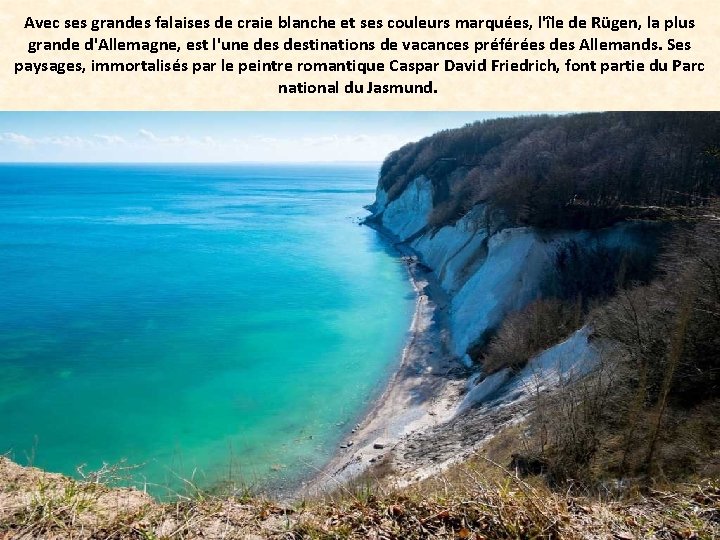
(487, 272)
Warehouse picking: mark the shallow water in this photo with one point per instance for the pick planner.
(206, 322)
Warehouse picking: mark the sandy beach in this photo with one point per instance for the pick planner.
(423, 393)
(422, 422)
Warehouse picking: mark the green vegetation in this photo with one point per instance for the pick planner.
(627, 451)
(474, 500)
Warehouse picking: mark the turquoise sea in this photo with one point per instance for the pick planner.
(207, 322)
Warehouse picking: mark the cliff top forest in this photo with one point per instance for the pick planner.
(626, 451)
(571, 171)
(649, 412)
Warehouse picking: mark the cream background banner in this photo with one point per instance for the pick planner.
(649, 90)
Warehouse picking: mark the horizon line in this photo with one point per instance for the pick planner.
(279, 162)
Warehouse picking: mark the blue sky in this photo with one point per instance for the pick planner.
(217, 137)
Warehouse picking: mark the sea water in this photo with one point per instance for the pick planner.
(200, 323)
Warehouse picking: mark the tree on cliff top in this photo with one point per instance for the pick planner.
(581, 170)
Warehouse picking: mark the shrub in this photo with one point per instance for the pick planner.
(526, 332)
(650, 410)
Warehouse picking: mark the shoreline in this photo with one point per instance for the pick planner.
(423, 392)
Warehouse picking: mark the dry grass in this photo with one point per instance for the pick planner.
(462, 503)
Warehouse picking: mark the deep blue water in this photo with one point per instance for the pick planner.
(199, 321)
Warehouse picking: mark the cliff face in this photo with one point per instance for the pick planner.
(488, 271)
(504, 210)
(578, 258)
